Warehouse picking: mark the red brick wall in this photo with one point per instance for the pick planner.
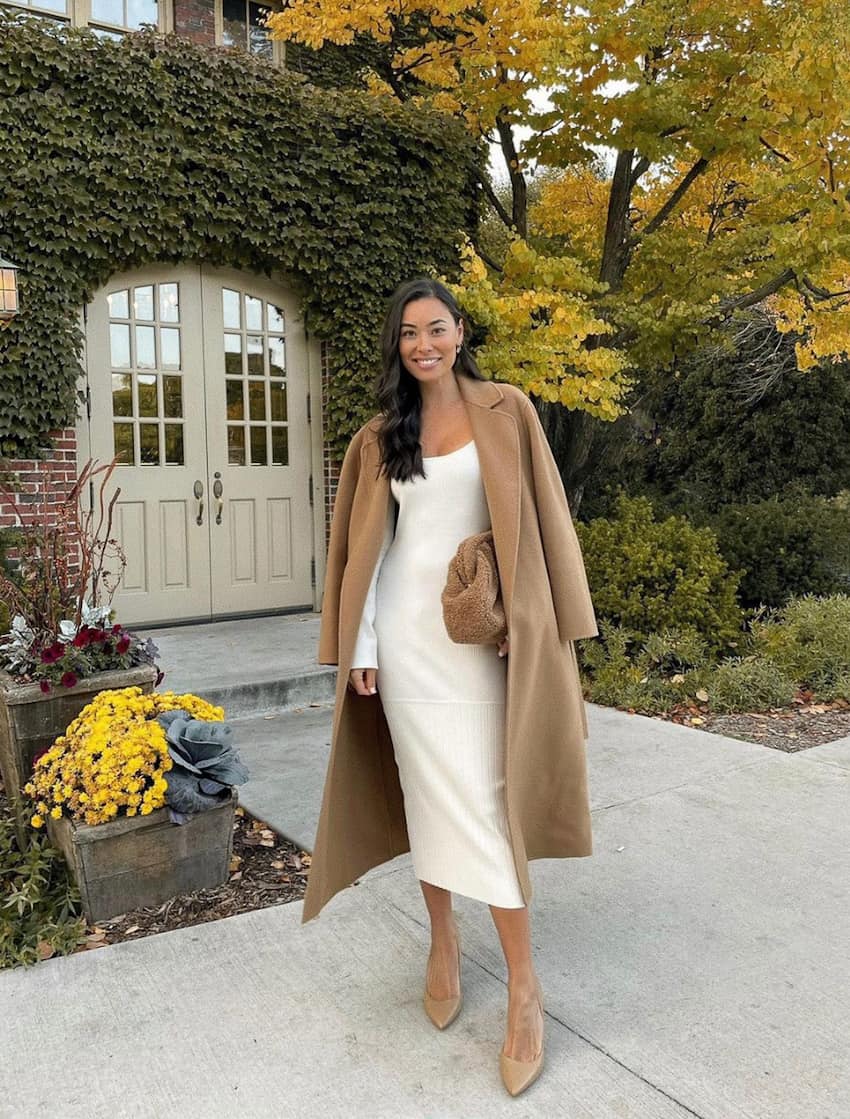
(195, 19)
(58, 470)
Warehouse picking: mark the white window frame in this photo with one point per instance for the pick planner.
(79, 15)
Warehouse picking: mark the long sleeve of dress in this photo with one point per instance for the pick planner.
(366, 646)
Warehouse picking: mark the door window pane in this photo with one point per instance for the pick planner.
(172, 396)
(145, 347)
(236, 445)
(259, 456)
(255, 355)
(122, 394)
(169, 340)
(174, 444)
(119, 304)
(253, 313)
(147, 394)
(257, 400)
(119, 345)
(276, 320)
(233, 354)
(125, 443)
(277, 393)
(230, 309)
(149, 444)
(169, 304)
(143, 302)
(280, 446)
(235, 407)
(277, 357)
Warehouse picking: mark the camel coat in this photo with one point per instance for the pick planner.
(547, 603)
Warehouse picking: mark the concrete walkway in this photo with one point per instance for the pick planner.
(696, 965)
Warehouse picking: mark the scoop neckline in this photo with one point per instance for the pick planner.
(433, 458)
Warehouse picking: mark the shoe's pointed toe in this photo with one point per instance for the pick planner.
(442, 1012)
(519, 1075)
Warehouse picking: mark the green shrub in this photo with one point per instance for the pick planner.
(786, 546)
(39, 903)
(809, 641)
(620, 671)
(748, 684)
(649, 575)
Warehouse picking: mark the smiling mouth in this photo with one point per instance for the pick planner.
(427, 361)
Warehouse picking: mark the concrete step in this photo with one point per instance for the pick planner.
(249, 666)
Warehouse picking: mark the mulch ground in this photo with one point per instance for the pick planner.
(790, 729)
(268, 870)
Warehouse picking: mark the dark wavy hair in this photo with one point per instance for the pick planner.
(398, 392)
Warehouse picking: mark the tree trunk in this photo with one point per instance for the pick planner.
(571, 434)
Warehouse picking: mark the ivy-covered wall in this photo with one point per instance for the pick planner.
(118, 154)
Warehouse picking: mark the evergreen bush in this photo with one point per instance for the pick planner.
(648, 575)
(786, 546)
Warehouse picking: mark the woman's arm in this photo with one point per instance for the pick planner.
(366, 647)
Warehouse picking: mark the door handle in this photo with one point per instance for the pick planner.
(198, 491)
(218, 490)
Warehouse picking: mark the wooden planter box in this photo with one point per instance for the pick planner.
(31, 721)
(145, 860)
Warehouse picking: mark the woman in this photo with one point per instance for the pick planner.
(471, 757)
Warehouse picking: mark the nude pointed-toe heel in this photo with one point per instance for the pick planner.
(519, 1075)
(443, 1012)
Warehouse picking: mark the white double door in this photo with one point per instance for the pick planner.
(198, 381)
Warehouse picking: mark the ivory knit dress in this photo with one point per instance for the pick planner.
(444, 703)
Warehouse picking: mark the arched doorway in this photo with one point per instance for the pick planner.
(199, 380)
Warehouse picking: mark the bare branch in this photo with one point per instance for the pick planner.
(675, 198)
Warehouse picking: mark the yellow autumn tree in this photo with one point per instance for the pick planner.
(729, 132)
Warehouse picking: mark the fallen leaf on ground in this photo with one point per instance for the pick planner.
(702, 695)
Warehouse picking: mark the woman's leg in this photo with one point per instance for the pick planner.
(524, 1036)
(441, 977)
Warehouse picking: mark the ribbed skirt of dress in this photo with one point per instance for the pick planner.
(444, 702)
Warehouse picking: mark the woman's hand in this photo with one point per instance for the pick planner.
(504, 647)
(363, 680)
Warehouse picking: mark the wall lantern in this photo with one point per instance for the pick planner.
(8, 290)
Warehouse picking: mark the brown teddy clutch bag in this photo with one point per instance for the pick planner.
(472, 602)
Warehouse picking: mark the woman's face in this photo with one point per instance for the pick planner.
(429, 339)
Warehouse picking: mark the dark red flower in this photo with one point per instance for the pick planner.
(116, 628)
(83, 637)
(44, 685)
(123, 644)
(47, 655)
(69, 679)
(97, 635)
(58, 650)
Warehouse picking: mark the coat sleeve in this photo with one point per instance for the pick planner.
(567, 577)
(366, 646)
(338, 552)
